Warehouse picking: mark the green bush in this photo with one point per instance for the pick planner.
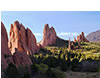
(38, 69)
(51, 61)
(34, 69)
(42, 68)
(55, 73)
(26, 75)
(11, 71)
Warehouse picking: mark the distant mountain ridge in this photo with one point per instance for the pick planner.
(94, 36)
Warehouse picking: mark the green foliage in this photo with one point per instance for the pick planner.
(55, 73)
(98, 70)
(74, 64)
(26, 75)
(42, 68)
(60, 43)
(38, 69)
(12, 72)
(51, 61)
(34, 69)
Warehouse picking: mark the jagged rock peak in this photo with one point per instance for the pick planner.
(81, 38)
(22, 39)
(49, 36)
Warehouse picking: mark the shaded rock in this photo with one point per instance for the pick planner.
(22, 39)
(6, 57)
(31, 41)
(21, 58)
(49, 36)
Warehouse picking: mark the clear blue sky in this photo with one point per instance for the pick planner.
(66, 23)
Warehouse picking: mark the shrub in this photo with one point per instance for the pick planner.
(34, 69)
(55, 73)
(42, 68)
(63, 65)
(74, 64)
(26, 75)
(38, 69)
(11, 71)
(51, 61)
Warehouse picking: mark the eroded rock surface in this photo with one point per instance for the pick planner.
(81, 38)
(49, 36)
(6, 57)
(22, 39)
(21, 58)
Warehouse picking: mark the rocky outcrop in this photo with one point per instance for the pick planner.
(21, 58)
(81, 38)
(31, 42)
(6, 57)
(22, 39)
(75, 39)
(69, 45)
(49, 36)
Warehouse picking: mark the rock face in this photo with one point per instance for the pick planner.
(22, 39)
(49, 36)
(6, 57)
(94, 36)
(21, 58)
(81, 38)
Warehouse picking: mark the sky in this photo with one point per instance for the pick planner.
(67, 24)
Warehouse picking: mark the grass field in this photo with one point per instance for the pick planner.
(88, 50)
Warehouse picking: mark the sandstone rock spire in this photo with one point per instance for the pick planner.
(49, 36)
(5, 53)
(22, 39)
(69, 45)
(18, 58)
(81, 38)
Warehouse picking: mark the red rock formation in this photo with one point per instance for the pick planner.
(81, 38)
(31, 41)
(69, 45)
(22, 39)
(49, 36)
(21, 58)
(18, 58)
(75, 39)
(5, 53)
